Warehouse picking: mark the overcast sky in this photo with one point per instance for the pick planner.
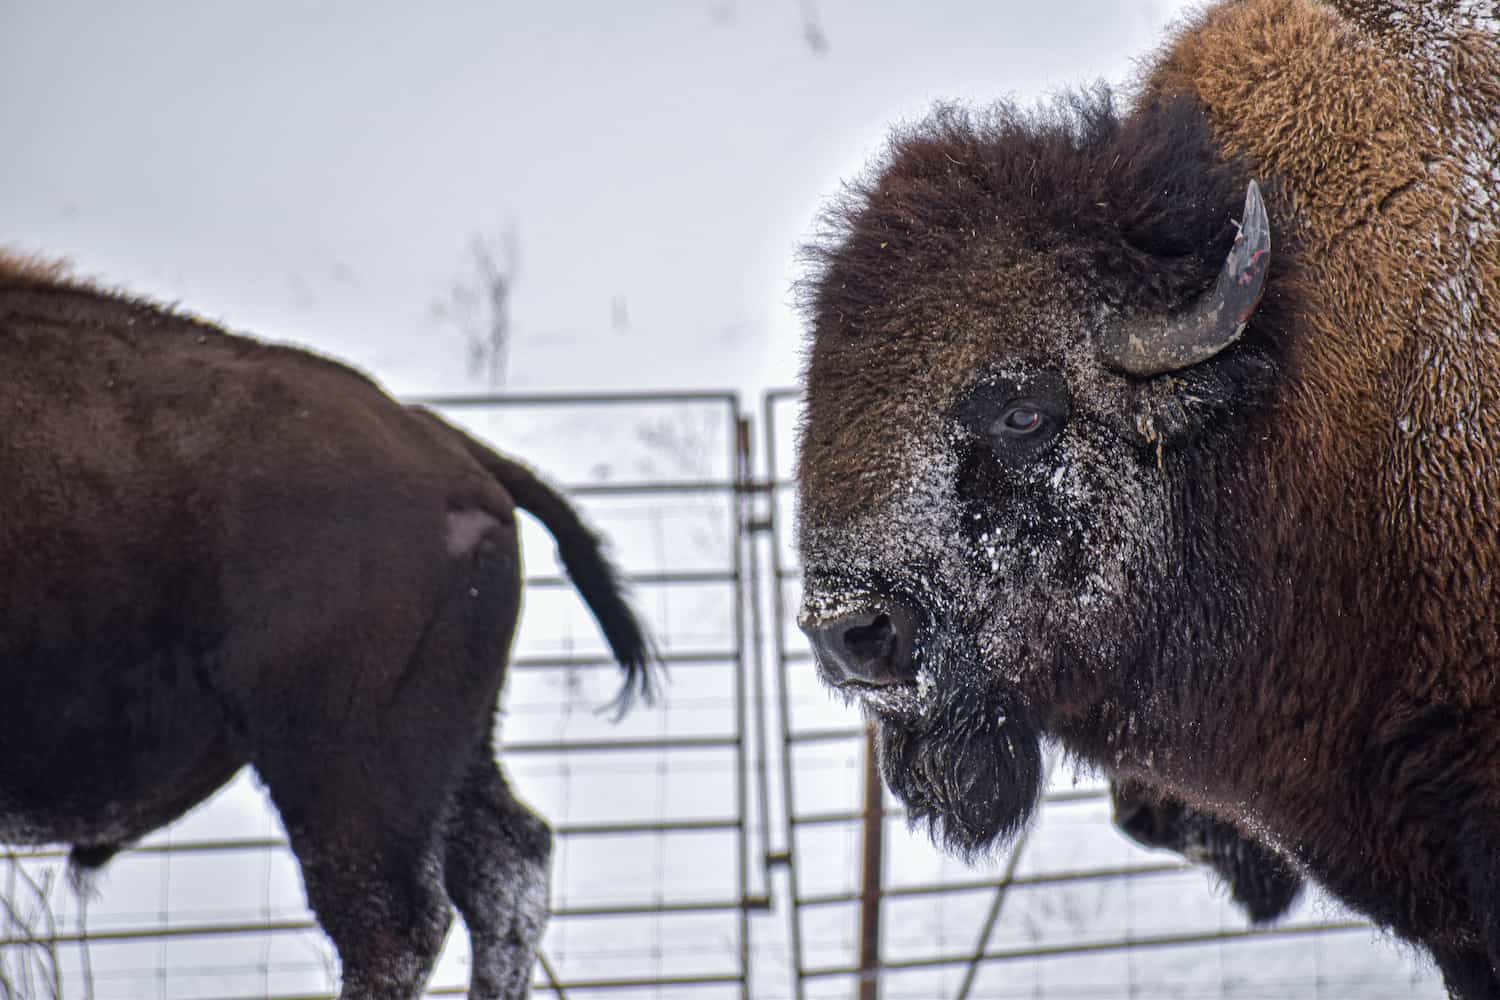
(316, 171)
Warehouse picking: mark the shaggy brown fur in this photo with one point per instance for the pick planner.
(214, 552)
(1264, 586)
(17, 271)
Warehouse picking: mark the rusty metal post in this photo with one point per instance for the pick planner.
(870, 881)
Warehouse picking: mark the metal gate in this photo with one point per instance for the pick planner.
(733, 843)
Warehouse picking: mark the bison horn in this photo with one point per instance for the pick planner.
(1214, 322)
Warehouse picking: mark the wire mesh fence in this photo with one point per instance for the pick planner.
(726, 843)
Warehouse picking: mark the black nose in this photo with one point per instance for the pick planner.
(874, 648)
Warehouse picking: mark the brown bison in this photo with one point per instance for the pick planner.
(217, 552)
(1172, 434)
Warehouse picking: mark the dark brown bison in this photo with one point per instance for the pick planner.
(1259, 880)
(1172, 434)
(217, 552)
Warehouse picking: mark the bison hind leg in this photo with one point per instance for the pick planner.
(498, 859)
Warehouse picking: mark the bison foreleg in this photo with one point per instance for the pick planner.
(499, 854)
(1466, 973)
(1474, 974)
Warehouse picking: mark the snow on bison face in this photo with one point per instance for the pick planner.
(967, 544)
(986, 515)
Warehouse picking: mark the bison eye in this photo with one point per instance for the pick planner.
(1019, 421)
(1018, 417)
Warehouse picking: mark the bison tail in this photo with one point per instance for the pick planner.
(591, 571)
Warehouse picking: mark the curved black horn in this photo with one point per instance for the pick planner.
(1215, 321)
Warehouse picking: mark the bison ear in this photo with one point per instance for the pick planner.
(1214, 321)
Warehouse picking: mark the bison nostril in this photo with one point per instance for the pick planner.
(874, 649)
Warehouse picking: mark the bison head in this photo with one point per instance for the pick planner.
(1023, 325)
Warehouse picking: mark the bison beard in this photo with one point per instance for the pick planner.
(969, 768)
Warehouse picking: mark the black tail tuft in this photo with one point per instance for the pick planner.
(597, 580)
